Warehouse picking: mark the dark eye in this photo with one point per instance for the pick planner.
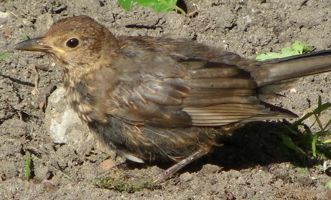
(72, 43)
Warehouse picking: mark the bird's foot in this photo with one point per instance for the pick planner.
(178, 166)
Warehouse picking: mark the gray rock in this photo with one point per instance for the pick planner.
(4, 17)
(64, 124)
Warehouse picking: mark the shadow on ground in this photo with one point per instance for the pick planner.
(255, 144)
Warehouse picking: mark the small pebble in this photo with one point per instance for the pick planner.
(4, 17)
(185, 177)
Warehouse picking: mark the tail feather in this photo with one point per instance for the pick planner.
(292, 67)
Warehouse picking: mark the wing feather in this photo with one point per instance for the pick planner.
(175, 90)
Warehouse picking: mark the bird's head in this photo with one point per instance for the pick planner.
(75, 42)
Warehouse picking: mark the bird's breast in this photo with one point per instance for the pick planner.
(82, 101)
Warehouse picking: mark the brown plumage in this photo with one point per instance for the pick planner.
(159, 99)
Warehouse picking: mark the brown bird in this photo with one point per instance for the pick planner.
(160, 99)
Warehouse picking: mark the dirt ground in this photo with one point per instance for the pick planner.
(250, 165)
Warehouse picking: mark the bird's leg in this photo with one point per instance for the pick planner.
(178, 166)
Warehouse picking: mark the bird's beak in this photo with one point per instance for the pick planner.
(35, 44)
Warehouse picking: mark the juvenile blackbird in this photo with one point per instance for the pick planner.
(161, 99)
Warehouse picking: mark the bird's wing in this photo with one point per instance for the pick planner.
(178, 91)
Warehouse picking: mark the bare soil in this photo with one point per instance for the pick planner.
(252, 164)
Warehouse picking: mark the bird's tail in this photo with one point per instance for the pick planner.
(286, 69)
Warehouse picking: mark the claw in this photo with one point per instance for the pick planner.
(180, 165)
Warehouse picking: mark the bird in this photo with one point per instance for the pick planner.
(164, 100)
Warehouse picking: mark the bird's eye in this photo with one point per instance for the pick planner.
(72, 43)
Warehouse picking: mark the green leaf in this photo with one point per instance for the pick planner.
(28, 166)
(322, 107)
(288, 142)
(297, 48)
(126, 4)
(267, 56)
(313, 145)
(328, 141)
(165, 5)
(328, 184)
(157, 5)
(301, 48)
(306, 116)
(3, 56)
